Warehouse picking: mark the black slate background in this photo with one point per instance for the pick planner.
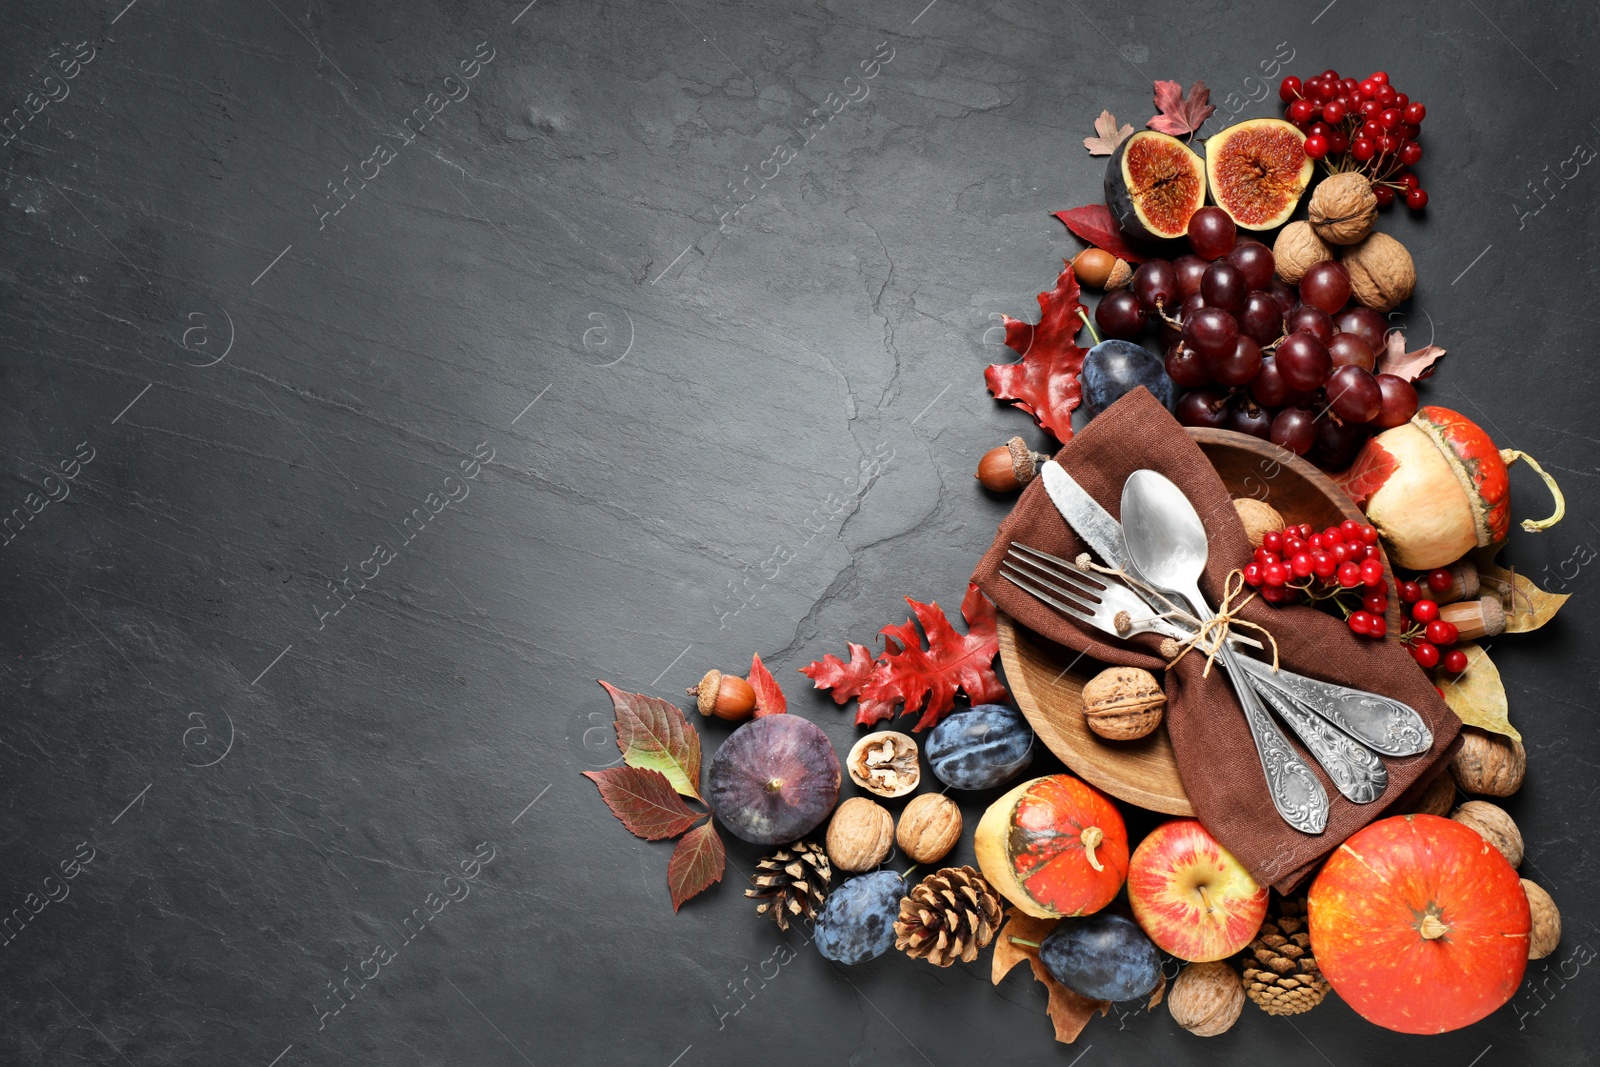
(268, 793)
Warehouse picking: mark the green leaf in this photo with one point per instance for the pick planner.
(654, 735)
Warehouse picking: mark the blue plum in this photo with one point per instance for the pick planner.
(857, 921)
(1104, 956)
(1113, 368)
(980, 748)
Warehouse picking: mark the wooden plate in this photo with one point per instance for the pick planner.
(1047, 679)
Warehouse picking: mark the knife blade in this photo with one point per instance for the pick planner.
(1084, 514)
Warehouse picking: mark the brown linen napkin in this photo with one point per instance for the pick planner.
(1216, 758)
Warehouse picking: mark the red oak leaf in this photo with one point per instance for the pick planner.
(1093, 223)
(645, 802)
(1371, 469)
(697, 863)
(1107, 135)
(654, 735)
(1179, 114)
(769, 698)
(1412, 366)
(846, 680)
(1044, 382)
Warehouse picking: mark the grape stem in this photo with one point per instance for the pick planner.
(1084, 316)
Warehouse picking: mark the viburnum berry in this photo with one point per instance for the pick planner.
(1384, 195)
(1425, 611)
(1275, 574)
(1372, 573)
(1301, 565)
(1301, 110)
(1252, 573)
(1416, 199)
(1316, 146)
(1415, 112)
(1349, 574)
(1380, 626)
(1363, 148)
(1439, 580)
(1333, 111)
(1323, 565)
(1442, 633)
(1455, 661)
(1425, 653)
(1360, 622)
(1376, 602)
(1289, 90)
(1273, 594)
(1379, 77)
(1410, 592)
(1410, 153)
(1273, 541)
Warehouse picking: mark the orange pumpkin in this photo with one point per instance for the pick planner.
(1054, 846)
(1420, 924)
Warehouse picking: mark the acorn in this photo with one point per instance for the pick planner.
(726, 696)
(1092, 267)
(1008, 467)
(1464, 583)
(1483, 617)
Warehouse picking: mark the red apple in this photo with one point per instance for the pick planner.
(1191, 896)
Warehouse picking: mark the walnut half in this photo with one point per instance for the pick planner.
(885, 763)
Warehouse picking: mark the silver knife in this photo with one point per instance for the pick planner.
(1387, 725)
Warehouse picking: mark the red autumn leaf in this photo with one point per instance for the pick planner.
(846, 680)
(1107, 135)
(697, 863)
(769, 698)
(1412, 366)
(1371, 469)
(654, 735)
(645, 802)
(951, 661)
(1044, 382)
(1179, 114)
(1093, 223)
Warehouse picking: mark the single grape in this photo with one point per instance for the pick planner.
(1237, 365)
(1155, 283)
(1311, 320)
(1251, 420)
(1349, 350)
(1294, 429)
(1204, 407)
(1261, 320)
(1365, 323)
(1268, 387)
(1192, 303)
(1212, 232)
(1326, 285)
(1256, 261)
(1399, 402)
(1337, 443)
(1285, 294)
(1191, 269)
(1354, 395)
(1186, 367)
(1224, 287)
(1212, 331)
(1303, 361)
(1119, 315)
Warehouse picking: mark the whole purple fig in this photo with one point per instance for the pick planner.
(774, 780)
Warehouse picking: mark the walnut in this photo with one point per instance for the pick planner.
(1123, 703)
(885, 763)
(860, 835)
(1381, 271)
(1437, 798)
(929, 828)
(1259, 518)
(1206, 998)
(1343, 208)
(1296, 249)
(1490, 765)
(1546, 921)
(1494, 826)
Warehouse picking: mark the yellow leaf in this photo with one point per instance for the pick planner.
(1527, 606)
(1477, 695)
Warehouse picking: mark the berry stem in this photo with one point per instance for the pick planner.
(1084, 316)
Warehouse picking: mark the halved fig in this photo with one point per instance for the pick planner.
(1153, 184)
(1257, 171)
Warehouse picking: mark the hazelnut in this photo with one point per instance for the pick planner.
(1123, 703)
(1494, 826)
(1343, 208)
(1259, 517)
(727, 696)
(1296, 249)
(1381, 271)
(885, 763)
(1092, 267)
(1490, 765)
(1438, 798)
(1008, 467)
(860, 835)
(1546, 921)
(929, 828)
(1206, 998)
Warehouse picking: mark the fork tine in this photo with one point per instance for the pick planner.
(1066, 565)
(1074, 585)
(1065, 608)
(1077, 600)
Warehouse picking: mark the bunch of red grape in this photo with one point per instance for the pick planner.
(1427, 637)
(1365, 126)
(1290, 365)
(1338, 567)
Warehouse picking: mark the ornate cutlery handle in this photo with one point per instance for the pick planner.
(1357, 772)
(1387, 726)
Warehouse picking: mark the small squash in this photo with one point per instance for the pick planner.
(1054, 846)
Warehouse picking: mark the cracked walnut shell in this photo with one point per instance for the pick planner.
(929, 828)
(1123, 703)
(1343, 208)
(1297, 249)
(1381, 272)
(885, 763)
(860, 835)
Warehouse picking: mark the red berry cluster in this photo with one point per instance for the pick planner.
(1364, 126)
(1426, 636)
(1339, 566)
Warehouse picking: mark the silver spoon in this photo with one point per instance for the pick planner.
(1167, 544)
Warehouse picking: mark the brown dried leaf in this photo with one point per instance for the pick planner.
(1107, 135)
(1158, 993)
(1067, 1010)
(1181, 114)
(1412, 366)
(645, 802)
(1477, 695)
(1527, 606)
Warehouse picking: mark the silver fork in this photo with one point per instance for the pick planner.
(1356, 770)
(1387, 726)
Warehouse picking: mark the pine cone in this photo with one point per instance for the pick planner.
(792, 883)
(1280, 974)
(950, 915)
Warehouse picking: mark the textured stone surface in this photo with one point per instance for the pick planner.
(746, 433)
